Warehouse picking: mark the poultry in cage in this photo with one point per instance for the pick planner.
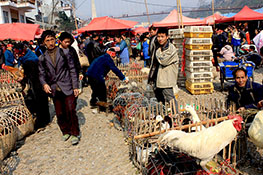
(204, 144)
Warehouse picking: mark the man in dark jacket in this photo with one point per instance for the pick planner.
(92, 49)
(36, 99)
(244, 94)
(58, 77)
(96, 73)
(153, 44)
(66, 39)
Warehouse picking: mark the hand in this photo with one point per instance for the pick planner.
(260, 104)
(76, 92)
(81, 77)
(47, 88)
(241, 109)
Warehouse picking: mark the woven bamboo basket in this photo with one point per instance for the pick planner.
(8, 135)
(21, 118)
(10, 97)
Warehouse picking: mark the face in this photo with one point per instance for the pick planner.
(241, 78)
(153, 32)
(65, 43)
(117, 39)
(237, 123)
(162, 38)
(50, 42)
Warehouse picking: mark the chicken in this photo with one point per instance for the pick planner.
(195, 117)
(255, 131)
(163, 124)
(205, 144)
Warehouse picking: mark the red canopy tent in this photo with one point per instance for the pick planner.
(140, 30)
(210, 20)
(246, 14)
(18, 31)
(107, 23)
(172, 20)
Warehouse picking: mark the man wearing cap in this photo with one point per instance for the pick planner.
(96, 73)
(9, 56)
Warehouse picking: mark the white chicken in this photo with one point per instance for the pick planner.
(195, 117)
(255, 130)
(164, 124)
(205, 144)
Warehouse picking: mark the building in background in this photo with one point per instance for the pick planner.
(14, 10)
(46, 12)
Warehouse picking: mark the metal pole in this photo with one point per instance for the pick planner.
(147, 12)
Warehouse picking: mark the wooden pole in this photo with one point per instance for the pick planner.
(213, 11)
(180, 128)
(74, 13)
(181, 14)
(147, 12)
(178, 14)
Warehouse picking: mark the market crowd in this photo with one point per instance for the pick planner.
(57, 65)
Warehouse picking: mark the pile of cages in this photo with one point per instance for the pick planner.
(15, 119)
(145, 129)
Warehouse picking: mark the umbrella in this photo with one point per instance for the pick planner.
(18, 31)
(107, 23)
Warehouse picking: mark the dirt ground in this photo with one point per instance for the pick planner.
(102, 148)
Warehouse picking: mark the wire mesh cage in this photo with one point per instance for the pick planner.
(8, 135)
(22, 119)
(7, 80)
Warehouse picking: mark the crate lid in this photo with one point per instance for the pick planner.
(198, 29)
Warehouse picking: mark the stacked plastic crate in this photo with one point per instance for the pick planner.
(198, 56)
(177, 38)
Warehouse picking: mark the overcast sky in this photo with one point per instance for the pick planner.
(118, 7)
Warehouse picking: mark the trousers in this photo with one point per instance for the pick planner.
(67, 119)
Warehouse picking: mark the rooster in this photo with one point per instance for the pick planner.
(255, 130)
(204, 144)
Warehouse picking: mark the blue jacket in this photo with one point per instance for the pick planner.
(145, 49)
(100, 67)
(247, 97)
(124, 52)
(29, 56)
(9, 58)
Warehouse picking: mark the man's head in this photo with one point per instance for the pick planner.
(162, 36)
(20, 49)
(66, 39)
(240, 76)
(95, 36)
(9, 46)
(153, 30)
(48, 37)
(111, 52)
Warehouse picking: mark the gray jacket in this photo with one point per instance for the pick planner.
(63, 74)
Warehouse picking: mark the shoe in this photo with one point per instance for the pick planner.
(74, 140)
(65, 137)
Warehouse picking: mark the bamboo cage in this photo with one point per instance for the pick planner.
(145, 130)
(8, 135)
(22, 119)
(9, 97)
(7, 80)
